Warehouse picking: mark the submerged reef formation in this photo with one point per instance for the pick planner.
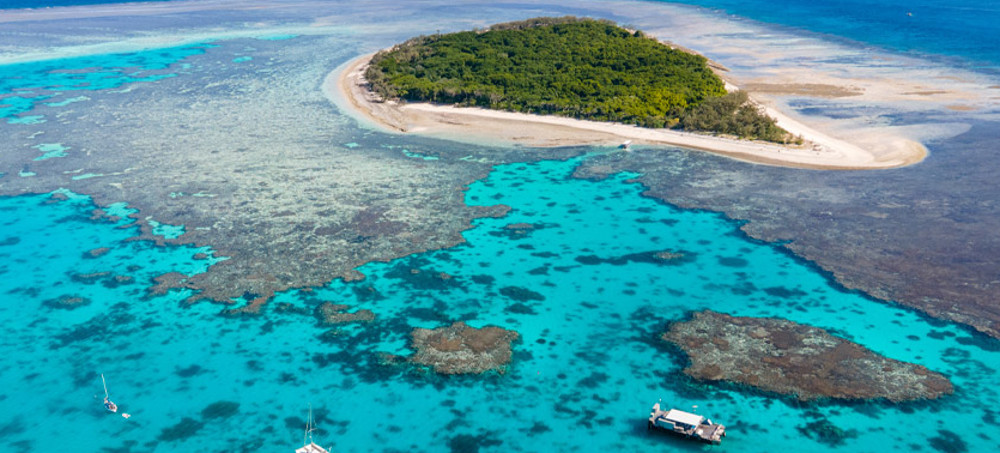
(920, 237)
(290, 203)
(67, 302)
(330, 313)
(781, 356)
(96, 253)
(460, 349)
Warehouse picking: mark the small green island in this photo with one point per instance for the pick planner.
(573, 67)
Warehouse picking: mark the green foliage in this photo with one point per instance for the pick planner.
(566, 66)
(734, 114)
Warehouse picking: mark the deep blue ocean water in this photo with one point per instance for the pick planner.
(586, 370)
(968, 29)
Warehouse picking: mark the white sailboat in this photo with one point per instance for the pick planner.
(308, 446)
(108, 404)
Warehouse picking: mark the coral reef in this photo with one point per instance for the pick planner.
(668, 255)
(330, 313)
(98, 252)
(90, 277)
(286, 202)
(460, 349)
(784, 357)
(67, 302)
(166, 282)
(521, 230)
(921, 236)
(220, 409)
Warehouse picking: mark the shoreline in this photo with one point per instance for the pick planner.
(346, 87)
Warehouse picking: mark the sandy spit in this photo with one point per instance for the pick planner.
(347, 88)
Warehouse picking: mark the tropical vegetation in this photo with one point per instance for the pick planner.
(581, 68)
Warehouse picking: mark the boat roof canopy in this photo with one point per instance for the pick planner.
(686, 418)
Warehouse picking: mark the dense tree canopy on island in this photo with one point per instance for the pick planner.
(580, 68)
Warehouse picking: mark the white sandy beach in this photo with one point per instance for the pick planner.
(347, 88)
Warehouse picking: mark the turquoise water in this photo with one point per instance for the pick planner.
(51, 150)
(58, 82)
(588, 365)
(587, 368)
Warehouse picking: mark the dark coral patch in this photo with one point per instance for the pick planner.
(980, 341)
(166, 282)
(366, 293)
(460, 349)
(106, 278)
(518, 230)
(483, 279)
(730, 261)
(827, 433)
(939, 335)
(412, 274)
(520, 309)
(521, 294)
(538, 428)
(192, 370)
(220, 409)
(285, 307)
(118, 280)
(593, 381)
(541, 270)
(784, 293)
(948, 442)
(89, 278)
(184, 429)
(95, 253)
(466, 443)
(330, 313)
(67, 302)
(96, 329)
(658, 257)
(12, 427)
(781, 356)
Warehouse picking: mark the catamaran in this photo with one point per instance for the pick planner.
(311, 446)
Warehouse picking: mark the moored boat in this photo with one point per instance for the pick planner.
(308, 446)
(108, 404)
(686, 424)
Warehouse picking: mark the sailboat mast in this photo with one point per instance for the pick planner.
(105, 386)
(307, 436)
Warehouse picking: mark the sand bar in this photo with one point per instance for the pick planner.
(347, 88)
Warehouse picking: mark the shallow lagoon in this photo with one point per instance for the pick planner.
(587, 368)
